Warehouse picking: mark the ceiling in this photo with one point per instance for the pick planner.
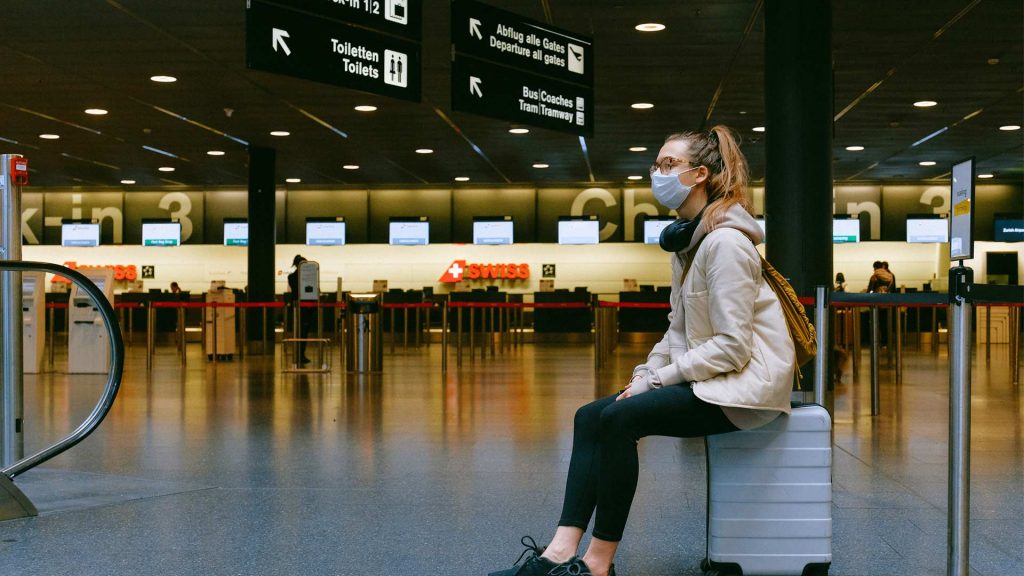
(59, 58)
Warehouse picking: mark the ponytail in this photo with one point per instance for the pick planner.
(719, 150)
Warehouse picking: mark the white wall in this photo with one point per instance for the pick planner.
(601, 268)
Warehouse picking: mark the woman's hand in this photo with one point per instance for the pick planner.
(640, 382)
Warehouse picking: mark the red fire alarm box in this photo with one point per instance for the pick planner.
(19, 170)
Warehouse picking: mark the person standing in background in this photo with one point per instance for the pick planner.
(881, 279)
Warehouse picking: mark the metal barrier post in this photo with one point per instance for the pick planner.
(988, 333)
(959, 510)
(182, 335)
(874, 360)
(51, 340)
(898, 325)
(855, 320)
(596, 306)
(444, 336)
(458, 337)
(150, 321)
(472, 333)
(1015, 345)
(821, 359)
(392, 330)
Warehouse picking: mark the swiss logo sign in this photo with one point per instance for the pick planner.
(459, 270)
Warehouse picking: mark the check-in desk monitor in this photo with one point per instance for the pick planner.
(80, 234)
(325, 231)
(653, 228)
(236, 232)
(33, 314)
(845, 230)
(927, 229)
(161, 233)
(409, 231)
(572, 230)
(88, 343)
(497, 230)
(1008, 227)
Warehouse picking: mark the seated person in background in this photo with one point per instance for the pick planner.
(175, 289)
(881, 279)
(840, 283)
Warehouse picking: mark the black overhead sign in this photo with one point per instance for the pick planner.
(546, 77)
(499, 92)
(310, 46)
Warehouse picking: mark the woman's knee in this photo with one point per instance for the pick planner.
(588, 415)
(616, 420)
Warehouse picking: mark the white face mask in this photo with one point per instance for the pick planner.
(668, 190)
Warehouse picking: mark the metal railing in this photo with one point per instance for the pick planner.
(113, 384)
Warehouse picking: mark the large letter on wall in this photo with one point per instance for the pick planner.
(116, 219)
(933, 192)
(855, 208)
(631, 209)
(595, 194)
(184, 208)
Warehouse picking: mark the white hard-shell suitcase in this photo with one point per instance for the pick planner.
(770, 497)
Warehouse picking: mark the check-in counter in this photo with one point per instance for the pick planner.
(644, 319)
(558, 320)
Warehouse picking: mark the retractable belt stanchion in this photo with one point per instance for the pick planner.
(898, 329)
(874, 360)
(458, 337)
(820, 360)
(444, 336)
(855, 323)
(960, 279)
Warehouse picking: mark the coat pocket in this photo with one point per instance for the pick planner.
(698, 316)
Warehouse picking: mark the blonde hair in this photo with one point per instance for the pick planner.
(718, 150)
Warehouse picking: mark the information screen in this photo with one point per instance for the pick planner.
(845, 230)
(1009, 228)
(161, 233)
(236, 233)
(653, 228)
(408, 233)
(927, 230)
(79, 234)
(492, 231)
(961, 224)
(325, 233)
(578, 231)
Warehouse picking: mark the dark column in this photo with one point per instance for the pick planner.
(262, 240)
(798, 138)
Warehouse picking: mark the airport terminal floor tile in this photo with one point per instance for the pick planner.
(237, 468)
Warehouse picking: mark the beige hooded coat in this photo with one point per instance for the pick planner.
(727, 334)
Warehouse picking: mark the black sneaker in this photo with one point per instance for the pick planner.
(534, 565)
(575, 567)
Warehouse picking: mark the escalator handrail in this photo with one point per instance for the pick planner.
(106, 400)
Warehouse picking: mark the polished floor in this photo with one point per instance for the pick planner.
(235, 468)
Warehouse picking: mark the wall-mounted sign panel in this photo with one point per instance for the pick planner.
(301, 45)
(500, 92)
(486, 32)
(399, 17)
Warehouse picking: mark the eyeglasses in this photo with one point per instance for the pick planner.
(667, 164)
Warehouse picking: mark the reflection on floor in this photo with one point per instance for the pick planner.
(235, 468)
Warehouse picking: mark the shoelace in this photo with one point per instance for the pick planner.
(574, 567)
(531, 546)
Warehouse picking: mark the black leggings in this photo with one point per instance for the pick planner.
(604, 466)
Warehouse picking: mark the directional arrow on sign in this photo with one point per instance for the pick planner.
(474, 28)
(278, 38)
(474, 86)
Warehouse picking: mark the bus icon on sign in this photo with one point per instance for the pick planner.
(397, 11)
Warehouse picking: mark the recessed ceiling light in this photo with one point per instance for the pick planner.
(95, 111)
(641, 106)
(1009, 127)
(293, 180)
(634, 177)
(638, 148)
(214, 152)
(164, 79)
(366, 108)
(758, 128)
(986, 176)
(49, 136)
(424, 151)
(166, 169)
(925, 103)
(927, 163)
(854, 148)
(539, 165)
(518, 130)
(650, 27)
(351, 167)
(127, 181)
(462, 178)
(280, 133)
